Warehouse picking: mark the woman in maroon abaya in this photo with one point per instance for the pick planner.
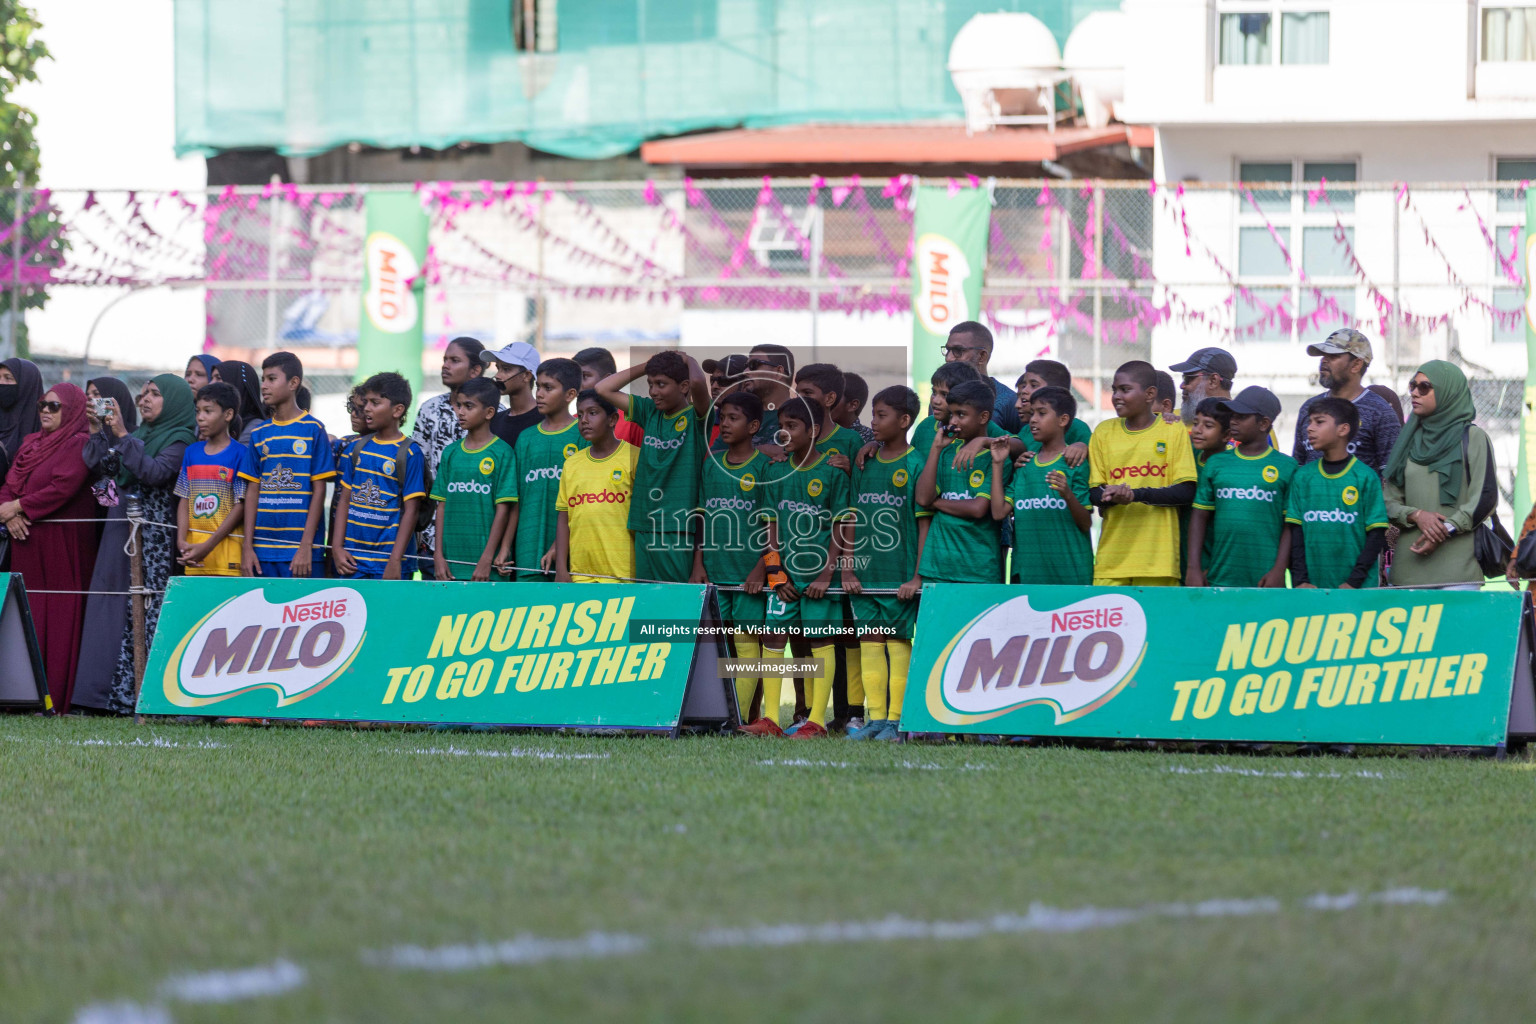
(47, 482)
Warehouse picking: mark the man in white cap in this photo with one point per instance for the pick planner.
(1343, 358)
(515, 366)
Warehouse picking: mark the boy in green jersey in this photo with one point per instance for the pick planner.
(1048, 373)
(729, 551)
(475, 488)
(1209, 434)
(1048, 498)
(804, 510)
(540, 454)
(886, 537)
(1240, 499)
(1337, 515)
(666, 494)
(822, 385)
(963, 542)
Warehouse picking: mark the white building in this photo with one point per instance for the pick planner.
(1365, 91)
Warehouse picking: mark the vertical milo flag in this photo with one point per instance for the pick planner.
(389, 330)
(1524, 496)
(949, 255)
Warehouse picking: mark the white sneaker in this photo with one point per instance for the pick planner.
(853, 724)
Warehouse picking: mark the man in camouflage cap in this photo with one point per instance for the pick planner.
(1343, 358)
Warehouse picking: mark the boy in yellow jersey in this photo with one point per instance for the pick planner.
(1141, 472)
(804, 510)
(592, 539)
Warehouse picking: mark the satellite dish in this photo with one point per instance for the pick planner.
(1095, 54)
(1006, 68)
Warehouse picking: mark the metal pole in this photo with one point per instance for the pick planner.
(1397, 298)
(540, 300)
(272, 240)
(1098, 286)
(136, 587)
(17, 229)
(815, 224)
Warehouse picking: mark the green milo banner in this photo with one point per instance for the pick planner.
(1326, 666)
(390, 328)
(1525, 495)
(535, 654)
(949, 257)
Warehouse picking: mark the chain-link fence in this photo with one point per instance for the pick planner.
(1088, 272)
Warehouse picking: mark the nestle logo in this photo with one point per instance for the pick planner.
(1094, 618)
(312, 611)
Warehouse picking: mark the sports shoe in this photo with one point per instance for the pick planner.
(852, 725)
(890, 732)
(866, 731)
(809, 730)
(761, 727)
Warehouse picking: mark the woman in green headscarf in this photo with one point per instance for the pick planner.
(1431, 488)
(145, 464)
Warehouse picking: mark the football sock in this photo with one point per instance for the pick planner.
(901, 661)
(771, 687)
(821, 687)
(872, 657)
(747, 650)
(854, 660)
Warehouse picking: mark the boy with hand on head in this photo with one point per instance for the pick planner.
(1047, 497)
(1241, 501)
(1048, 373)
(475, 489)
(382, 484)
(540, 454)
(212, 485)
(963, 543)
(804, 510)
(597, 363)
(1335, 507)
(284, 532)
(726, 553)
(1141, 470)
(666, 492)
(888, 525)
(592, 539)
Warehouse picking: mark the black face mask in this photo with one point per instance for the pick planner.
(8, 395)
(501, 385)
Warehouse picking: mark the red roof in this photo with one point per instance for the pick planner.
(877, 144)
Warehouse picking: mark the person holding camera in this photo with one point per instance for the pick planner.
(142, 464)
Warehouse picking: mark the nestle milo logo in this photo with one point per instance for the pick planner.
(1075, 659)
(247, 643)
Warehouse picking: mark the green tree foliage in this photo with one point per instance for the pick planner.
(21, 51)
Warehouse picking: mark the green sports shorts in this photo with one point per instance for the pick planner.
(888, 612)
(819, 619)
(738, 609)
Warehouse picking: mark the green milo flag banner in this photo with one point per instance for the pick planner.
(389, 335)
(536, 654)
(949, 257)
(1525, 495)
(1325, 666)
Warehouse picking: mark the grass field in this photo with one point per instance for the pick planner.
(166, 873)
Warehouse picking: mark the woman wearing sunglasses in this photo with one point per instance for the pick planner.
(144, 463)
(48, 511)
(1434, 480)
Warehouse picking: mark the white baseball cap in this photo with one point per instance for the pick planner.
(519, 353)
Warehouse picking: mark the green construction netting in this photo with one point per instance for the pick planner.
(601, 76)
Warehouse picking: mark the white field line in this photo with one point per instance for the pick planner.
(1259, 774)
(153, 741)
(538, 755)
(800, 762)
(282, 976)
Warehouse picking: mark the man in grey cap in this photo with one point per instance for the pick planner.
(515, 365)
(1208, 373)
(1343, 358)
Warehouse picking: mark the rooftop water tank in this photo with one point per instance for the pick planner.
(1095, 54)
(1005, 67)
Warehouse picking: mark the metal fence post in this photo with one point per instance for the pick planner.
(1397, 297)
(136, 588)
(17, 230)
(1098, 287)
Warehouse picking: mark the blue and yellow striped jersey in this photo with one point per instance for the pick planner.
(292, 459)
(375, 501)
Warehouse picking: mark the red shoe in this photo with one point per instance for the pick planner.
(761, 727)
(809, 730)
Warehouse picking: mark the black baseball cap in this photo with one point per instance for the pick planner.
(1253, 401)
(1208, 360)
(734, 365)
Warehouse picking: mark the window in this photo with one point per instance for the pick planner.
(1314, 291)
(1508, 222)
(1509, 34)
(1247, 33)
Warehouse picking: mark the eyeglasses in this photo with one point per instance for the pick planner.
(1421, 387)
(1190, 378)
(957, 350)
(44, 405)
